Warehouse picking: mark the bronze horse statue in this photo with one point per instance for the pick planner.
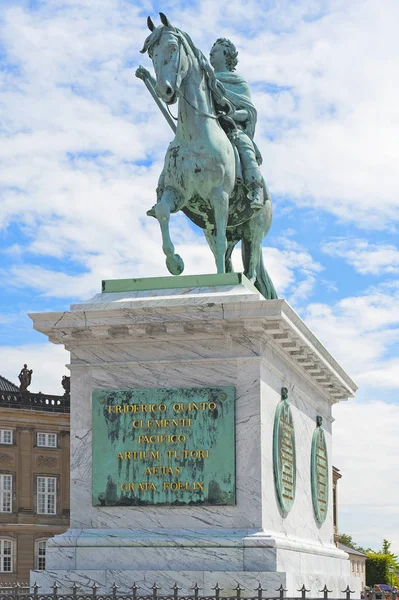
(199, 175)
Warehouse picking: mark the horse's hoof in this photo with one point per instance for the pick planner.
(151, 212)
(175, 264)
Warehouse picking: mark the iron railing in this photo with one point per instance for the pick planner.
(113, 594)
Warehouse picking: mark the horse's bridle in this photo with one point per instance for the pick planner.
(181, 43)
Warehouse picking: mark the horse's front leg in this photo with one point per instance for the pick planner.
(219, 200)
(168, 203)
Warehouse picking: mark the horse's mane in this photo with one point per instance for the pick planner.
(216, 88)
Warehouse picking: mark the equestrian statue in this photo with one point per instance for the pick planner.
(211, 170)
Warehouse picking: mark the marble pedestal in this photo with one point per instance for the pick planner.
(214, 331)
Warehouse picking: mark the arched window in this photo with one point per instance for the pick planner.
(7, 553)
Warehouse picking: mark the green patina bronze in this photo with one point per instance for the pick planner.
(170, 283)
(211, 170)
(164, 446)
(319, 473)
(284, 454)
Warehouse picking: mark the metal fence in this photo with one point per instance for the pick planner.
(20, 593)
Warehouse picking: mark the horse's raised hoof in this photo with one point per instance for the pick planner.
(175, 264)
(151, 212)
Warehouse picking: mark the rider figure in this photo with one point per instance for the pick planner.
(223, 58)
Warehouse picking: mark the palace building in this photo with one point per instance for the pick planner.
(34, 475)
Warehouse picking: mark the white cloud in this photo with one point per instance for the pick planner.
(366, 258)
(359, 332)
(77, 93)
(364, 449)
(334, 123)
(292, 270)
(384, 377)
(82, 144)
(46, 360)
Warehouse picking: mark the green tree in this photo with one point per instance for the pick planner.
(377, 568)
(383, 566)
(385, 546)
(386, 549)
(347, 540)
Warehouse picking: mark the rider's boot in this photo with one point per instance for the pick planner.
(255, 195)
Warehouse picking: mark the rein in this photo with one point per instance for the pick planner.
(202, 113)
(198, 110)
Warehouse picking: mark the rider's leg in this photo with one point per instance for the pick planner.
(219, 200)
(250, 169)
(169, 202)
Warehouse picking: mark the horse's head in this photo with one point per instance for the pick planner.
(166, 48)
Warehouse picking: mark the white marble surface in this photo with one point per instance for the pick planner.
(258, 383)
(131, 315)
(202, 338)
(170, 297)
(228, 550)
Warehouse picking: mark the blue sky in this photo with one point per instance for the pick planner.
(82, 145)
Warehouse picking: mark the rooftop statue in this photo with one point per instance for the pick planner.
(211, 169)
(25, 378)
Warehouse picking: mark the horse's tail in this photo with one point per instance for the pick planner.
(263, 282)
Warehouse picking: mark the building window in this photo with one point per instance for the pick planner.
(6, 556)
(46, 495)
(5, 493)
(335, 511)
(47, 440)
(41, 555)
(5, 436)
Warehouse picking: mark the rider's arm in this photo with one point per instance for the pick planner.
(143, 73)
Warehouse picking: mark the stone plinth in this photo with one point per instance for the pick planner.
(216, 331)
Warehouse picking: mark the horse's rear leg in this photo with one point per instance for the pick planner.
(227, 261)
(168, 203)
(232, 240)
(219, 200)
(252, 234)
(231, 244)
(251, 246)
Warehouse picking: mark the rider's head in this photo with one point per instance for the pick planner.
(223, 50)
